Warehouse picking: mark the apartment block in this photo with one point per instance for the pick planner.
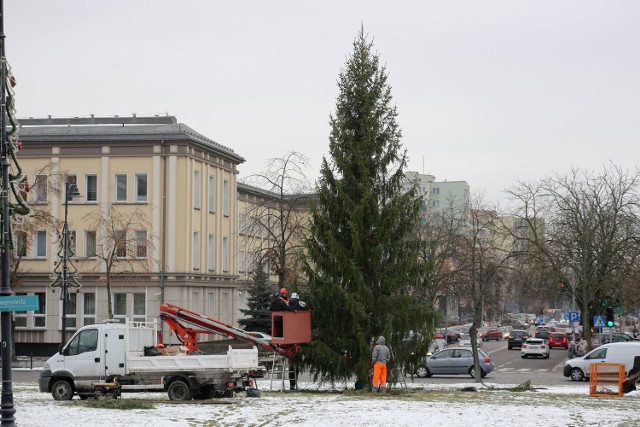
(182, 183)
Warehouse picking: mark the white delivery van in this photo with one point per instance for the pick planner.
(618, 352)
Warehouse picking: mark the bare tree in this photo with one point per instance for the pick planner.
(282, 215)
(480, 267)
(123, 245)
(591, 228)
(439, 234)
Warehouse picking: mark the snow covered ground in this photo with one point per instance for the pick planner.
(313, 405)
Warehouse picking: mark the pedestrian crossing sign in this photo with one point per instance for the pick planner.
(598, 322)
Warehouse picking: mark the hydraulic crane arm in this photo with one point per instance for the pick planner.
(176, 317)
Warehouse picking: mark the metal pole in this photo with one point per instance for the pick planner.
(7, 410)
(65, 247)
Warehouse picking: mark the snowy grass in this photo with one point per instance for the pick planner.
(321, 405)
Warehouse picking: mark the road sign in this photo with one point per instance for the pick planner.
(19, 303)
(540, 320)
(572, 316)
(599, 322)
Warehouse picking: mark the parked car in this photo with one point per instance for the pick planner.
(454, 361)
(452, 335)
(466, 342)
(600, 338)
(535, 347)
(542, 332)
(558, 339)
(517, 337)
(490, 334)
(261, 335)
(618, 352)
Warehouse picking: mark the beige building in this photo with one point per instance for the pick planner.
(185, 251)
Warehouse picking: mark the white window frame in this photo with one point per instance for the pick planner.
(122, 317)
(37, 242)
(196, 250)
(40, 315)
(116, 194)
(225, 198)
(88, 318)
(86, 244)
(72, 315)
(212, 194)
(142, 198)
(41, 184)
(225, 254)
(139, 316)
(88, 188)
(140, 241)
(196, 189)
(211, 253)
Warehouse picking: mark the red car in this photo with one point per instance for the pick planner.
(558, 339)
(490, 334)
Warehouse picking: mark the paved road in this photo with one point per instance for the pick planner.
(510, 369)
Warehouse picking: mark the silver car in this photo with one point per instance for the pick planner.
(454, 361)
(535, 347)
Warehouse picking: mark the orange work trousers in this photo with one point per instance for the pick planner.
(379, 374)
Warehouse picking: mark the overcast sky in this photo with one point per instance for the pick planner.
(487, 92)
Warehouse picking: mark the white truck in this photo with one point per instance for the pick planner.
(110, 357)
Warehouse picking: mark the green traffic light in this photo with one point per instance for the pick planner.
(609, 324)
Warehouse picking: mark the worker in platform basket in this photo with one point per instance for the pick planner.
(279, 301)
(296, 304)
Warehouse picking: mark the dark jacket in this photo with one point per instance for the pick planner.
(296, 305)
(280, 304)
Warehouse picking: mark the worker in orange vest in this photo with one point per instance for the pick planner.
(379, 358)
(280, 301)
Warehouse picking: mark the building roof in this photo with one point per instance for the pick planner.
(116, 129)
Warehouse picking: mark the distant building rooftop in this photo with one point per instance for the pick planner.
(116, 128)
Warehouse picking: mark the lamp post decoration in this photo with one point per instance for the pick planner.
(65, 274)
(11, 176)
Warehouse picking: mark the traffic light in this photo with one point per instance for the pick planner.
(541, 311)
(610, 320)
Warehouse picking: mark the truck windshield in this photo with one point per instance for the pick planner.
(85, 341)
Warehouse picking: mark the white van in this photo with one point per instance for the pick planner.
(618, 352)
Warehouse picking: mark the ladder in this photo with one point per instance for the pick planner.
(399, 372)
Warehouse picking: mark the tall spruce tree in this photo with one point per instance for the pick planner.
(361, 258)
(258, 316)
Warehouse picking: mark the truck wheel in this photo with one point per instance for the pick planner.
(179, 390)
(62, 390)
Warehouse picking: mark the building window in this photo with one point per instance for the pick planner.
(196, 303)
(141, 243)
(196, 250)
(21, 243)
(225, 198)
(40, 315)
(435, 191)
(226, 307)
(89, 308)
(139, 307)
(41, 188)
(71, 243)
(242, 260)
(121, 243)
(196, 189)
(41, 244)
(120, 306)
(212, 193)
(71, 310)
(225, 254)
(141, 187)
(71, 181)
(91, 192)
(211, 305)
(121, 187)
(211, 260)
(90, 244)
(20, 317)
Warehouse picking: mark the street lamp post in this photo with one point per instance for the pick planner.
(71, 190)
